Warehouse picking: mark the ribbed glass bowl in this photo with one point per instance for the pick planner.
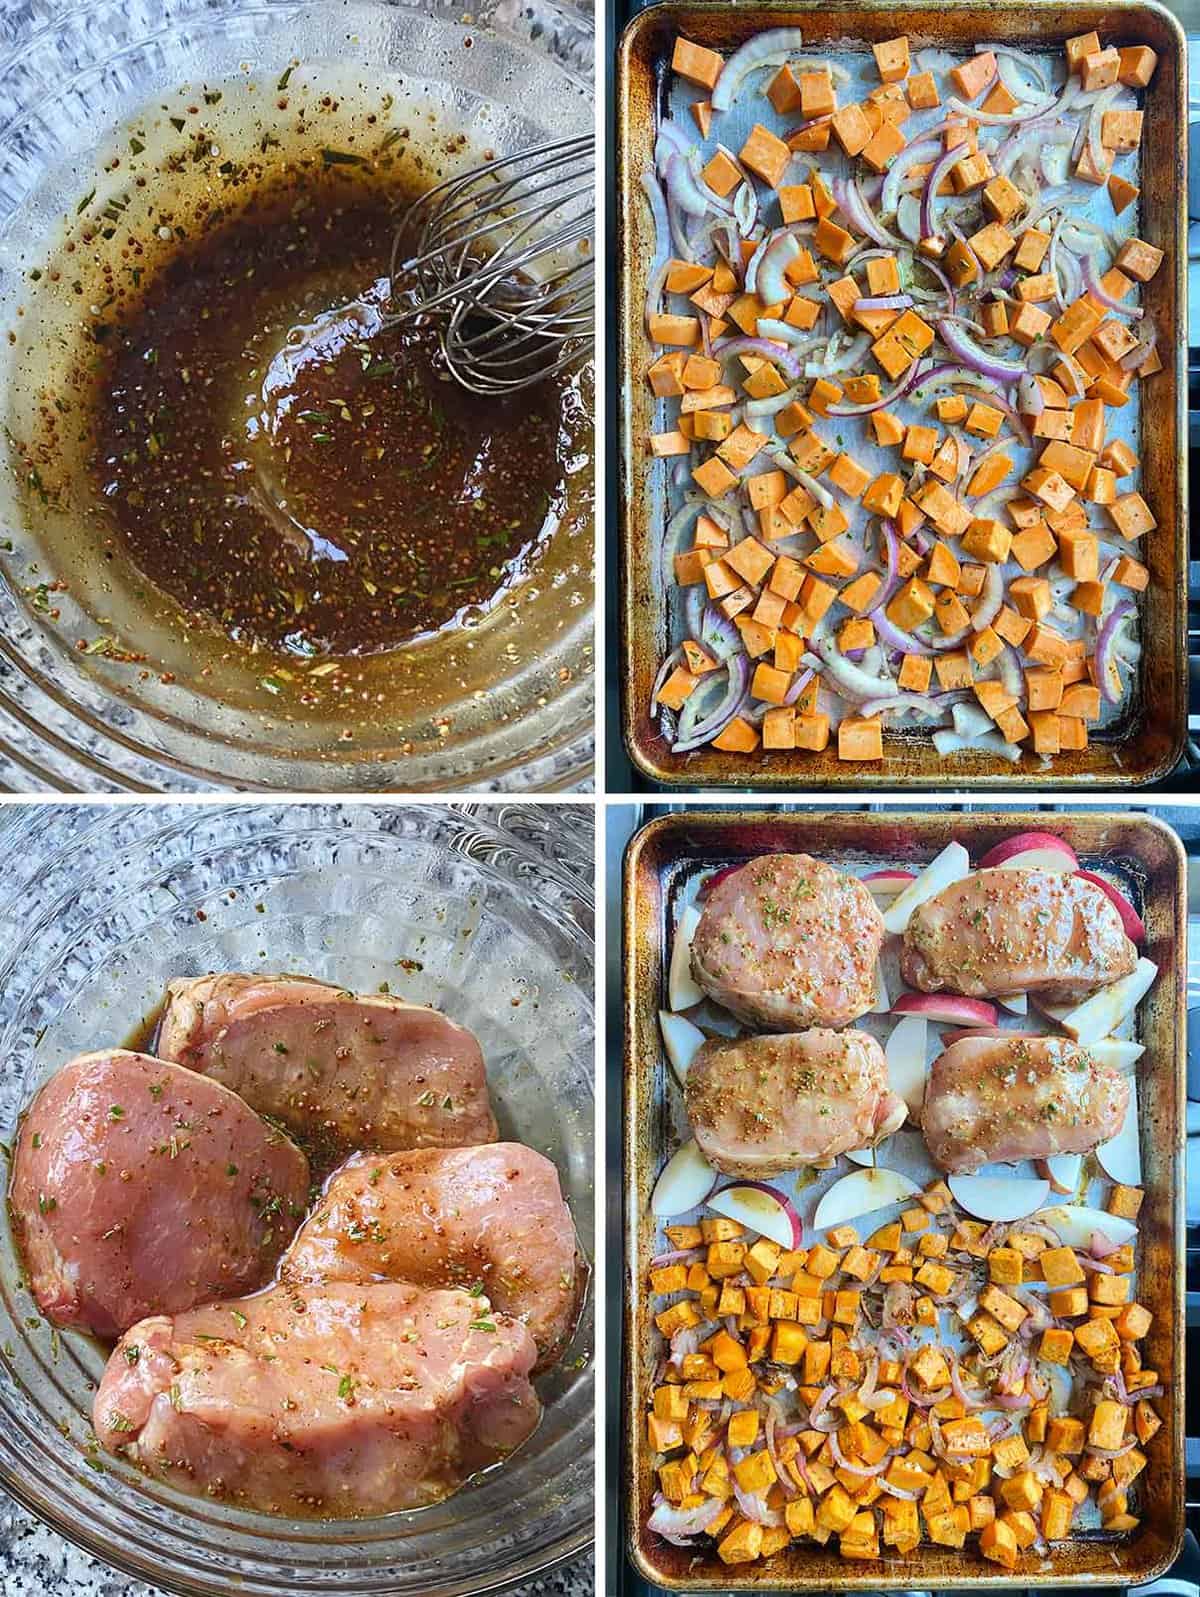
(484, 912)
(504, 705)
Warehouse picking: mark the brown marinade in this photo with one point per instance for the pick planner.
(285, 467)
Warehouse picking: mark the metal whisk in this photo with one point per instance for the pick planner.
(502, 266)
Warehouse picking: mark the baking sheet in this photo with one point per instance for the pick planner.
(1143, 727)
(664, 869)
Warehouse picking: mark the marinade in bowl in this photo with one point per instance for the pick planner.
(259, 536)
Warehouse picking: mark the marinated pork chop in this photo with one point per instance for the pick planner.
(343, 1070)
(787, 942)
(490, 1217)
(765, 1104)
(1016, 931)
(139, 1187)
(1002, 1099)
(335, 1400)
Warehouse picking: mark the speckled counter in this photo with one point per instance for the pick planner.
(35, 1562)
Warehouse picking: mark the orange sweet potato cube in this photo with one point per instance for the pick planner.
(766, 155)
(883, 146)
(892, 58)
(697, 64)
(851, 129)
(859, 738)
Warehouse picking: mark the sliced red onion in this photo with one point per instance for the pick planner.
(808, 482)
(911, 379)
(773, 404)
(891, 634)
(664, 672)
(784, 1476)
(862, 219)
(770, 284)
(1002, 119)
(849, 678)
(925, 149)
(763, 347)
(991, 598)
(1140, 352)
(1027, 142)
(797, 687)
(676, 1256)
(884, 302)
(824, 1398)
(847, 359)
(1030, 399)
(679, 1525)
(921, 703)
(1091, 278)
(1005, 55)
(942, 168)
(1096, 152)
(1106, 666)
(683, 189)
(867, 1471)
(908, 217)
(965, 349)
(772, 48)
(688, 1339)
(735, 696)
(890, 540)
(1111, 1452)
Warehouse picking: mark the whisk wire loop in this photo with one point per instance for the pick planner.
(499, 261)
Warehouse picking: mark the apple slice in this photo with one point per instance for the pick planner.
(1075, 1224)
(1121, 1156)
(882, 1002)
(998, 1197)
(906, 1050)
(1119, 1054)
(1063, 1170)
(950, 866)
(946, 1009)
(681, 1040)
(1037, 851)
(682, 989)
(862, 1192)
(760, 1208)
(1135, 927)
(1104, 1011)
(1015, 1003)
(886, 884)
(687, 1179)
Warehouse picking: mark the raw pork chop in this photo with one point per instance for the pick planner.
(332, 1400)
(1017, 931)
(1009, 1098)
(139, 1188)
(489, 1218)
(341, 1070)
(787, 942)
(761, 1105)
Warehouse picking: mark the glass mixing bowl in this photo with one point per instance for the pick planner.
(486, 913)
(506, 703)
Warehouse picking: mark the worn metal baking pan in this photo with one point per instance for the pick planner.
(1144, 742)
(659, 864)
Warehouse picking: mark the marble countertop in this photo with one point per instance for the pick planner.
(37, 1562)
